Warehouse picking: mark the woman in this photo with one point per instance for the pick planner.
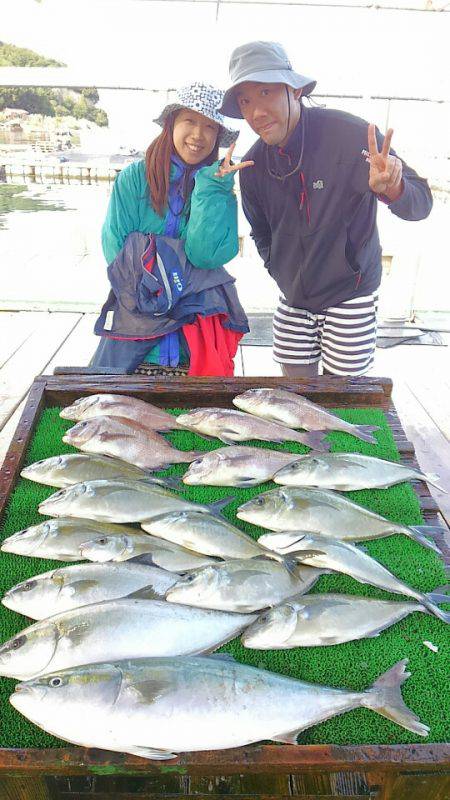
(180, 191)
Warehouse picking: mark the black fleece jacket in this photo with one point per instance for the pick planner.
(316, 231)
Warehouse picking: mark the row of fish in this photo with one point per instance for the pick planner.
(207, 582)
(163, 513)
(237, 466)
(278, 406)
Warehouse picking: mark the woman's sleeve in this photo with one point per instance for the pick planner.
(122, 216)
(212, 233)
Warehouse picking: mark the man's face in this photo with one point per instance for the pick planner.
(266, 109)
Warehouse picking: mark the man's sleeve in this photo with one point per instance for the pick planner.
(260, 228)
(416, 200)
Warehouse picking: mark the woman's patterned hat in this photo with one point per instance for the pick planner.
(205, 99)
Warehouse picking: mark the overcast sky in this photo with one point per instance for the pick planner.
(168, 43)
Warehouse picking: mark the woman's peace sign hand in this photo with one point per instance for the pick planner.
(226, 166)
(385, 171)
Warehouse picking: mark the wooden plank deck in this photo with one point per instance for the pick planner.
(33, 343)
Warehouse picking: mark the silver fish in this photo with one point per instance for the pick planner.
(290, 408)
(131, 627)
(149, 549)
(119, 405)
(237, 466)
(347, 471)
(123, 439)
(204, 533)
(157, 707)
(292, 508)
(59, 538)
(232, 426)
(81, 584)
(243, 585)
(119, 501)
(324, 552)
(65, 470)
(316, 620)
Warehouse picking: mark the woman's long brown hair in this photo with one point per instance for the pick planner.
(157, 164)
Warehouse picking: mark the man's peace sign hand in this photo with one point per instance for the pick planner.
(226, 166)
(385, 172)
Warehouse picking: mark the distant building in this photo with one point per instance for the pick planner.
(14, 113)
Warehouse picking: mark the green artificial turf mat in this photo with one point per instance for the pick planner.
(354, 665)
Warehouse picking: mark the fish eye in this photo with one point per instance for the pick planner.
(259, 501)
(102, 540)
(26, 587)
(18, 643)
(55, 682)
(190, 578)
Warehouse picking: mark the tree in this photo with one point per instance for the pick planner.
(79, 103)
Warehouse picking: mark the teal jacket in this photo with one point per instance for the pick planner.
(210, 232)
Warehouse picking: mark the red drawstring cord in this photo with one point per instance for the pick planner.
(304, 199)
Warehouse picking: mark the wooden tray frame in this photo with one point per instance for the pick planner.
(387, 772)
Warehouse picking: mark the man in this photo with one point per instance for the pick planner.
(311, 200)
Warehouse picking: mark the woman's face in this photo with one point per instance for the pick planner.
(194, 136)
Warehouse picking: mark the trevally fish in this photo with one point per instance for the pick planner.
(346, 471)
(324, 552)
(294, 508)
(131, 627)
(59, 538)
(119, 405)
(158, 707)
(316, 620)
(237, 466)
(145, 548)
(289, 408)
(81, 584)
(65, 470)
(243, 585)
(119, 501)
(232, 426)
(124, 439)
(204, 533)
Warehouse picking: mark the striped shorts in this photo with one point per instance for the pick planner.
(344, 336)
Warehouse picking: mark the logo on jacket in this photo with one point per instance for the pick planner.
(318, 184)
(177, 281)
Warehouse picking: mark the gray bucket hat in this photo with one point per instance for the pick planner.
(205, 99)
(262, 62)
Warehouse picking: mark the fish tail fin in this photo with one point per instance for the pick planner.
(431, 478)
(365, 432)
(439, 595)
(385, 697)
(218, 505)
(420, 534)
(314, 439)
